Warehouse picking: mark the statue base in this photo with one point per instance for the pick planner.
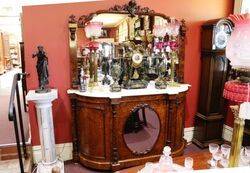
(105, 80)
(45, 90)
(160, 83)
(58, 166)
(136, 84)
(115, 87)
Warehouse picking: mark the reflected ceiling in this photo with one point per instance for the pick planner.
(109, 20)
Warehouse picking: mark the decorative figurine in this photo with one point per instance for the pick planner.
(83, 82)
(160, 82)
(105, 71)
(42, 70)
(115, 73)
(134, 58)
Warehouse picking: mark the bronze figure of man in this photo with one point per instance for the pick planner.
(42, 69)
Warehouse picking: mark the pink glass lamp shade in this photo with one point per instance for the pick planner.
(238, 46)
(173, 28)
(159, 31)
(93, 29)
(236, 91)
(92, 45)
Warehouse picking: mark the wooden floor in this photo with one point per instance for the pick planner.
(200, 162)
(77, 168)
(12, 166)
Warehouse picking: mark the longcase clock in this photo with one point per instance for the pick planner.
(209, 118)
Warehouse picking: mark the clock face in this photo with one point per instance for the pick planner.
(137, 58)
(222, 33)
(221, 40)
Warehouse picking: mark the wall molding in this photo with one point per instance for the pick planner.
(64, 150)
(188, 133)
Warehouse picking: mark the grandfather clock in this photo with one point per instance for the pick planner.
(214, 69)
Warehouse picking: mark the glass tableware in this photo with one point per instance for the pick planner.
(242, 151)
(245, 160)
(149, 166)
(166, 161)
(225, 149)
(224, 163)
(245, 156)
(188, 163)
(213, 148)
(247, 150)
(217, 156)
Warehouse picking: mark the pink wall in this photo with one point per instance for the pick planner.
(47, 25)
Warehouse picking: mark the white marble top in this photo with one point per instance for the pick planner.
(104, 92)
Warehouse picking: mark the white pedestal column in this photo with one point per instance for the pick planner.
(43, 103)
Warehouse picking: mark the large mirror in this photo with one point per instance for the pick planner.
(139, 44)
(141, 130)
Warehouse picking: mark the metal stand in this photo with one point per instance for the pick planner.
(237, 138)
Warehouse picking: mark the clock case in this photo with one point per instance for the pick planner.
(209, 118)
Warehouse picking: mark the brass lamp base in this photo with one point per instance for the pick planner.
(237, 138)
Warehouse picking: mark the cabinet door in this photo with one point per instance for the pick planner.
(176, 123)
(180, 119)
(91, 132)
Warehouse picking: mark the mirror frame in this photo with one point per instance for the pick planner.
(132, 9)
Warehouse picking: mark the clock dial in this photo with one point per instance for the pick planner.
(223, 31)
(221, 39)
(137, 59)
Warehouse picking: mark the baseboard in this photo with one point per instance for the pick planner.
(227, 133)
(188, 133)
(64, 151)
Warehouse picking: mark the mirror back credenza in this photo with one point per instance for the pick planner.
(124, 110)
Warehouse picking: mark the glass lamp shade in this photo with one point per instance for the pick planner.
(172, 28)
(92, 45)
(237, 50)
(159, 30)
(93, 29)
(236, 91)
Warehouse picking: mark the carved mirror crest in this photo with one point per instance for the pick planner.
(124, 29)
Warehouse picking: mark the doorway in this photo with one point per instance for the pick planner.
(11, 54)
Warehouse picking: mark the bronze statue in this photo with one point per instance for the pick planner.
(42, 70)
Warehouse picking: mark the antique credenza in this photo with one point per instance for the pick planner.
(98, 125)
(115, 130)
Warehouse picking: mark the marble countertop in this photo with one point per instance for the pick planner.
(102, 91)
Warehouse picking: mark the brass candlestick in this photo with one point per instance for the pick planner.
(237, 137)
(91, 70)
(172, 83)
(93, 63)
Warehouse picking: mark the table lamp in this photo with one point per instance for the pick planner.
(93, 30)
(237, 51)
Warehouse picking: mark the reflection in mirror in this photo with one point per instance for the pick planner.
(141, 130)
(144, 47)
